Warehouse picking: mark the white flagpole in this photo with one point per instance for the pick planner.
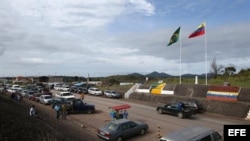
(180, 55)
(205, 51)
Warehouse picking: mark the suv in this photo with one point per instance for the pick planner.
(193, 133)
(94, 91)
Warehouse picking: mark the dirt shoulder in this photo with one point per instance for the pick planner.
(17, 125)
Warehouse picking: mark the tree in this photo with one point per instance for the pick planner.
(230, 70)
(215, 68)
(44, 79)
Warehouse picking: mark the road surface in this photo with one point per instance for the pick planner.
(159, 124)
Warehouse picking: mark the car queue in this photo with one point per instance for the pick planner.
(121, 126)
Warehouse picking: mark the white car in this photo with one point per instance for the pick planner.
(45, 99)
(65, 95)
(94, 91)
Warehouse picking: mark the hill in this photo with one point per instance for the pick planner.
(17, 125)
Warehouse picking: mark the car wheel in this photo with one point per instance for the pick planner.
(68, 112)
(160, 111)
(119, 138)
(89, 111)
(180, 115)
(143, 131)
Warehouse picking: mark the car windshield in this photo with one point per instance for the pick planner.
(111, 126)
(67, 94)
(47, 97)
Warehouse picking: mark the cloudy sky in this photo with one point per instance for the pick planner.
(111, 37)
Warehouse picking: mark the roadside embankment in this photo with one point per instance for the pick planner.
(239, 108)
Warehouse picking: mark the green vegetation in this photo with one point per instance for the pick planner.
(242, 79)
(243, 82)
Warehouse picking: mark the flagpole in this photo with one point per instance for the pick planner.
(199, 32)
(205, 52)
(180, 56)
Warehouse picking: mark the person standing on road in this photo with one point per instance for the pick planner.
(57, 109)
(180, 106)
(82, 96)
(113, 114)
(125, 114)
(64, 111)
(32, 111)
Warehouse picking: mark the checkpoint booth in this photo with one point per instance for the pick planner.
(119, 108)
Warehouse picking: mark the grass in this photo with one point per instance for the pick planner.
(241, 79)
(243, 82)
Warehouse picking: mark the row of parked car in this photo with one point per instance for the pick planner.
(123, 128)
(73, 104)
(93, 91)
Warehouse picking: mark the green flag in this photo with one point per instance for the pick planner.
(175, 37)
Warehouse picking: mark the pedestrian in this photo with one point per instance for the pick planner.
(120, 114)
(33, 112)
(18, 98)
(117, 114)
(112, 114)
(82, 96)
(64, 111)
(180, 106)
(125, 114)
(57, 109)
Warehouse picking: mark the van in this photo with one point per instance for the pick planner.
(193, 133)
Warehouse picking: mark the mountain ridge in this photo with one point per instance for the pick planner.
(156, 74)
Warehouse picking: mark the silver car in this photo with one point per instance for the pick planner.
(45, 99)
(193, 133)
(112, 94)
(94, 91)
(118, 130)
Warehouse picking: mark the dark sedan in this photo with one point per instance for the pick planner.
(175, 109)
(118, 130)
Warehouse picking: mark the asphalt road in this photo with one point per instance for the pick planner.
(159, 124)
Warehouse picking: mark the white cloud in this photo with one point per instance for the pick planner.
(90, 36)
(77, 13)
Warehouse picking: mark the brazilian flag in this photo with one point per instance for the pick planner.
(175, 37)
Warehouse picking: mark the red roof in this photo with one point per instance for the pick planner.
(121, 107)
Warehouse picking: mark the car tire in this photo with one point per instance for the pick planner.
(180, 115)
(119, 138)
(160, 111)
(143, 131)
(89, 111)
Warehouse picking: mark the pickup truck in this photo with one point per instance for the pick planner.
(75, 106)
(65, 95)
(174, 109)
